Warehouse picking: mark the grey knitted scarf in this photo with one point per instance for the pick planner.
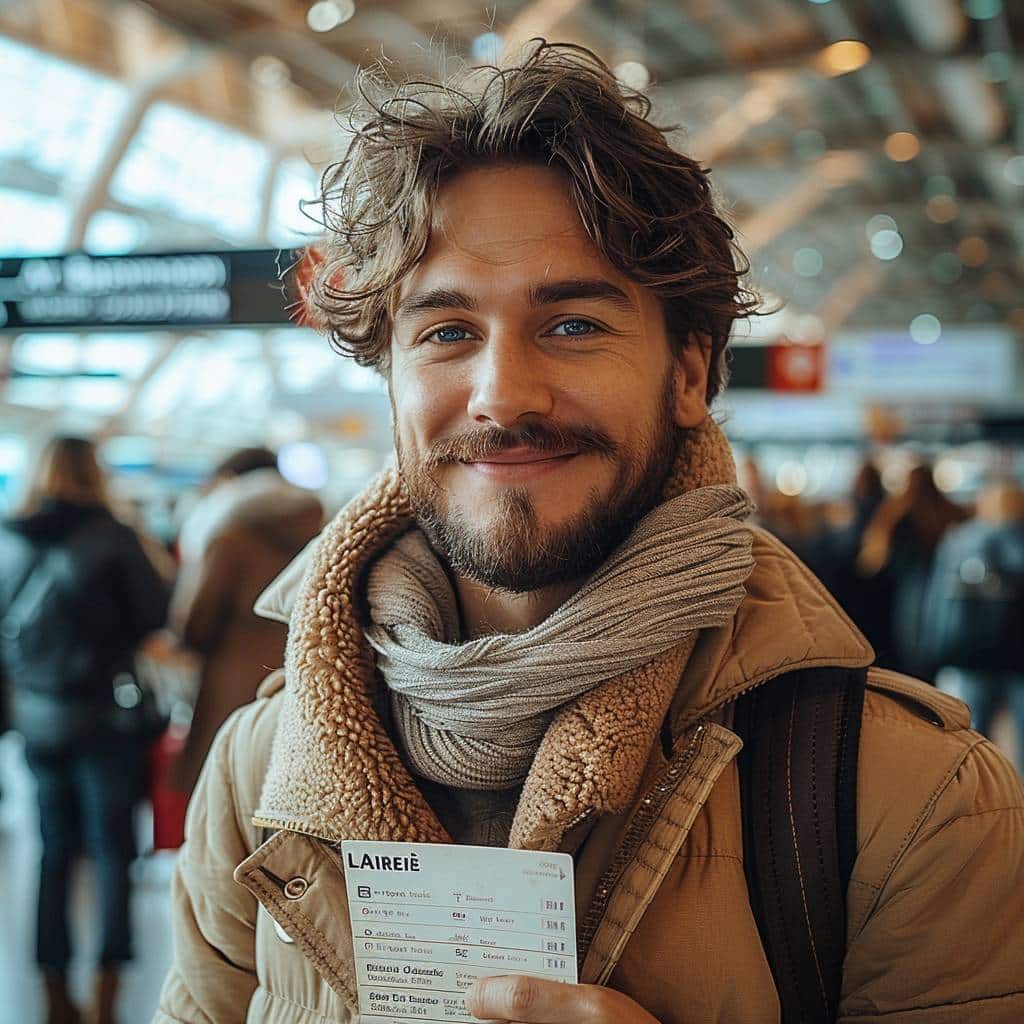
(471, 715)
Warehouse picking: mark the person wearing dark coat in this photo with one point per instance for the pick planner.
(77, 595)
(974, 610)
(896, 556)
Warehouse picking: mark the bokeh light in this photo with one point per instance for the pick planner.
(925, 329)
(631, 74)
(886, 244)
(843, 57)
(973, 251)
(942, 209)
(807, 262)
(902, 146)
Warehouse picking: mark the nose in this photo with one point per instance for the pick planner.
(510, 380)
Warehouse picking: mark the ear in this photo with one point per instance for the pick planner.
(692, 363)
(300, 309)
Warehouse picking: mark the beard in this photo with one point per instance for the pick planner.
(514, 551)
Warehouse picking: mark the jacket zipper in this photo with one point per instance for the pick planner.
(651, 806)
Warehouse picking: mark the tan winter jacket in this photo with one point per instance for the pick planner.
(258, 525)
(936, 901)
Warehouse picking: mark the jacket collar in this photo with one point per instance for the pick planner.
(334, 772)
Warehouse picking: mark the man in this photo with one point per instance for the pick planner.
(534, 633)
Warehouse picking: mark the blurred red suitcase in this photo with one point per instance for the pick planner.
(169, 805)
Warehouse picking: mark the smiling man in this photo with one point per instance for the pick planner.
(551, 628)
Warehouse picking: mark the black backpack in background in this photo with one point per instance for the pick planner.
(974, 609)
(70, 680)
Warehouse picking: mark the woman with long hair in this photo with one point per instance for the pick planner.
(77, 595)
(896, 555)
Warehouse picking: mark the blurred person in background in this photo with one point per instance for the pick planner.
(862, 598)
(248, 526)
(974, 610)
(896, 558)
(77, 595)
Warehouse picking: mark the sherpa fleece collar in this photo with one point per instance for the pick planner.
(334, 772)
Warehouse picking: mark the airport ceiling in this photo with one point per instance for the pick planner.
(870, 183)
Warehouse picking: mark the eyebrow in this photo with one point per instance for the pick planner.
(546, 294)
(549, 293)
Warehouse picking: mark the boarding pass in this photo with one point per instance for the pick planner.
(427, 920)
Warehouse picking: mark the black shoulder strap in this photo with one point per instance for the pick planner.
(798, 785)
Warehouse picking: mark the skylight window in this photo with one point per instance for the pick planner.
(195, 170)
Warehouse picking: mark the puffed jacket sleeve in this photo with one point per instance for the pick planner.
(942, 938)
(213, 976)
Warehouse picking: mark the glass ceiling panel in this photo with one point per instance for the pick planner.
(194, 170)
(127, 355)
(203, 377)
(31, 225)
(55, 116)
(110, 233)
(296, 183)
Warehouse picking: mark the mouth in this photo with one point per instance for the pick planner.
(520, 463)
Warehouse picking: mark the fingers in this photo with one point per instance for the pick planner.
(530, 1000)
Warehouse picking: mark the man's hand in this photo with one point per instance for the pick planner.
(536, 1001)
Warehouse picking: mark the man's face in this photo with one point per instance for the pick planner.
(535, 394)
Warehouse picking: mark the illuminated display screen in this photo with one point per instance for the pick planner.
(79, 292)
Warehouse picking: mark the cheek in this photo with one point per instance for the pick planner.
(422, 408)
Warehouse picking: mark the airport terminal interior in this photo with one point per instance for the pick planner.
(159, 171)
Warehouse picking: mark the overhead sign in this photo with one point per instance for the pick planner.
(976, 361)
(796, 367)
(158, 290)
(782, 367)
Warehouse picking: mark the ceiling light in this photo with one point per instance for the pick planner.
(902, 146)
(270, 72)
(326, 15)
(972, 250)
(843, 57)
(949, 476)
(303, 464)
(880, 222)
(886, 244)
(486, 48)
(925, 329)
(631, 74)
(941, 209)
(791, 478)
(808, 262)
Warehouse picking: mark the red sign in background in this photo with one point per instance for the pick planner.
(796, 367)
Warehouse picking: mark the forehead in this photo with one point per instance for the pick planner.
(504, 224)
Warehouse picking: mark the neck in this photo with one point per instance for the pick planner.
(486, 611)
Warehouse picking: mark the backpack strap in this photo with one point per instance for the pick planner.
(798, 787)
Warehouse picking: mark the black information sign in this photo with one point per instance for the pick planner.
(148, 290)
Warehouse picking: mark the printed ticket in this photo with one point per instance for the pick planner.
(427, 920)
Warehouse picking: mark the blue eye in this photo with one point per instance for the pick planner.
(575, 328)
(449, 335)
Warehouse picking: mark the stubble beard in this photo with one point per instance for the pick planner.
(514, 551)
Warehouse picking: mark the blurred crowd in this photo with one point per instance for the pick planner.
(94, 615)
(937, 587)
(120, 659)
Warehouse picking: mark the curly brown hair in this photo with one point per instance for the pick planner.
(650, 210)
